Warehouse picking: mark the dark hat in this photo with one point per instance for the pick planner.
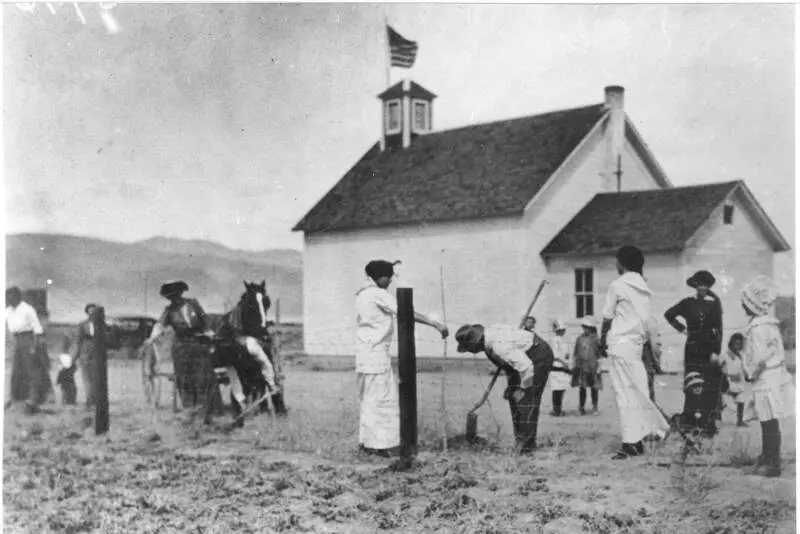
(701, 278)
(172, 288)
(692, 379)
(468, 335)
(379, 268)
(88, 306)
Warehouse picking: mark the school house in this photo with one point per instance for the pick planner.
(484, 213)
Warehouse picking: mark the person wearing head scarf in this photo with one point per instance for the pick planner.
(376, 310)
(702, 326)
(23, 326)
(560, 381)
(626, 320)
(586, 371)
(194, 373)
(764, 362)
(526, 359)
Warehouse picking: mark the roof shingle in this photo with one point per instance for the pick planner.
(477, 171)
(652, 220)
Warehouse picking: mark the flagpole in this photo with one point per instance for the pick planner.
(388, 52)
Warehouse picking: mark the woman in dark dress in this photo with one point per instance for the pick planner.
(702, 325)
(191, 357)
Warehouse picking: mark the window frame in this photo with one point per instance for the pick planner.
(727, 214)
(427, 115)
(584, 300)
(388, 117)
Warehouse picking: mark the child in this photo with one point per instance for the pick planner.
(66, 379)
(586, 373)
(732, 367)
(764, 363)
(695, 419)
(559, 380)
(651, 356)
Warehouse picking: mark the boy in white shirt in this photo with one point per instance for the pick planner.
(527, 359)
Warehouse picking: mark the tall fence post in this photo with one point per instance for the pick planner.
(100, 386)
(407, 363)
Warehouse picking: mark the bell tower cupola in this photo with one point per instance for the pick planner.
(406, 112)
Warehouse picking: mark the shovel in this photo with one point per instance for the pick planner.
(472, 418)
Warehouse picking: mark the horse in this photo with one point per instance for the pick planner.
(247, 319)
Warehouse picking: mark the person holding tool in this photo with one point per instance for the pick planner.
(526, 359)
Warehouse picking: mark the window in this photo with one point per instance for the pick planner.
(421, 122)
(727, 214)
(584, 292)
(393, 122)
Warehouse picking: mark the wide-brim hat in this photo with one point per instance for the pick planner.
(468, 335)
(174, 288)
(759, 295)
(703, 278)
(589, 322)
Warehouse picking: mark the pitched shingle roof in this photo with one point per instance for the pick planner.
(477, 171)
(653, 220)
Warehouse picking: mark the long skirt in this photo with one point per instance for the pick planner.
(379, 423)
(639, 417)
(194, 376)
(29, 376)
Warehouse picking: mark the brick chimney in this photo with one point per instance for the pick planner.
(614, 135)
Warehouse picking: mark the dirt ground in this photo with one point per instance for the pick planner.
(157, 471)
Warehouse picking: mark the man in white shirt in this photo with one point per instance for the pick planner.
(376, 309)
(527, 359)
(626, 327)
(24, 327)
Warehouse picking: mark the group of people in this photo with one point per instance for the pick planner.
(185, 316)
(628, 338)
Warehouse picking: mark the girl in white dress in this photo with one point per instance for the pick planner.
(764, 362)
(560, 380)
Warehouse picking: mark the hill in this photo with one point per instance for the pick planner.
(126, 277)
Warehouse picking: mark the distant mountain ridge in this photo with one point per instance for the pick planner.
(126, 277)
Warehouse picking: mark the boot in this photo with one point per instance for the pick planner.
(629, 450)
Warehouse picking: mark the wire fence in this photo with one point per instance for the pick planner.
(326, 402)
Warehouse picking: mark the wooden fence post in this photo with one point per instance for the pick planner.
(100, 385)
(407, 363)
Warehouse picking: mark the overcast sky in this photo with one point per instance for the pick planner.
(228, 122)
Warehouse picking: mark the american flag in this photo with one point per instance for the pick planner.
(403, 51)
